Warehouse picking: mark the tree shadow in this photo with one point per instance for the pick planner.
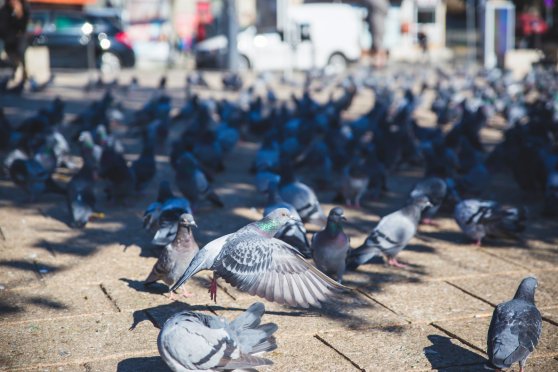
(444, 353)
(142, 364)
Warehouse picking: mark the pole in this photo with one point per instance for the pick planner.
(471, 34)
(232, 33)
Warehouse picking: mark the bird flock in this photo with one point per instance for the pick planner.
(305, 146)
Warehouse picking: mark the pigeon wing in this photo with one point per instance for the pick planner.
(272, 269)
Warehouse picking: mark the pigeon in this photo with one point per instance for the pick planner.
(481, 218)
(391, 235)
(331, 245)
(165, 214)
(153, 210)
(354, 182)
(121, 178)
(176, 256)
(193, 183)
(33, 178)
(293, 232)
(302, 197)
(191, 341)
(515, 329)
(435, 189)
(80, 196)
(144, 167)
(253, 261)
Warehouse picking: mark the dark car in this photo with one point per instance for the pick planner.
(79, 40)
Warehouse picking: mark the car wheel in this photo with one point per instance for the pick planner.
(243, 63)
(110, 64)
(337, 63)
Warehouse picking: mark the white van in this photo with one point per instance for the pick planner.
(318, 36)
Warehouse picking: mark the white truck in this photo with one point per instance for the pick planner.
(317, 36)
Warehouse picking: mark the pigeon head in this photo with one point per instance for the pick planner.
(275, 220)
(187, 220)
(337, 215)
(526, 290)
(422, 202)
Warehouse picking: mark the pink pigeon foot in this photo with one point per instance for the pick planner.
(171, 295)
(393, 262)
(430, 222)
(478, 242)
(213, 289)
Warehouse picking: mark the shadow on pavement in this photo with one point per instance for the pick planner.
(444, 353)
(142, 364)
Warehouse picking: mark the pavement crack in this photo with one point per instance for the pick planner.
(470, 293)
(548, 320)
(504, 259)
(323, 341)
(111, 300)
(377, 302)
(453, 335)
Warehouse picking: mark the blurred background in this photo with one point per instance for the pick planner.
(278, 35)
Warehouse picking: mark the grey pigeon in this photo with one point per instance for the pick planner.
(191, 341)
(435, 189)
(515, 329)
(80, 196)
(300, 196)
(176, 256)
(391, 235)
(193, 183)
(293, 232)
(331, 245)
(354, 182)
(253, 261)
(481, 218)
(305, 201)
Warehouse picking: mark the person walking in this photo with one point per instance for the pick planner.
(377, 14)
(14, 17)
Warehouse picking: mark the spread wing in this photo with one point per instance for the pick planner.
(272, 269)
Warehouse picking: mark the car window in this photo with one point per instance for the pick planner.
(105, 24)
(68, 22)
(37, 22)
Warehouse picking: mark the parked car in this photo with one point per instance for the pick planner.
(68, 34)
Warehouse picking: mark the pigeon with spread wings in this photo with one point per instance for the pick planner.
(253, 261)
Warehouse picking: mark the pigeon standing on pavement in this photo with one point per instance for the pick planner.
(354, 182)
(331, 245)
(515, 329)
(253, 261)
(191, 341)
(391, 235)
(481, 218)
(293, 232)
(80, 195)
(193, 183)
(435, 189)
(301, 197)
(144, 167)
(176, 256)
(33, 178)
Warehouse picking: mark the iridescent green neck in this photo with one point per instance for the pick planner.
(334, 228)
(269, 225)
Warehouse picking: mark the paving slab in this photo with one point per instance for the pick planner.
(474, 331)
(430, 301)
(305, 353)
(496, 289)
(71, 340)
(417, 347)
(346, 311)
(53, 301)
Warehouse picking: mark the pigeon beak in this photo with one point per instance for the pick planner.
(343, 218)
(194, 224)
(292, 217)
(190, 271)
